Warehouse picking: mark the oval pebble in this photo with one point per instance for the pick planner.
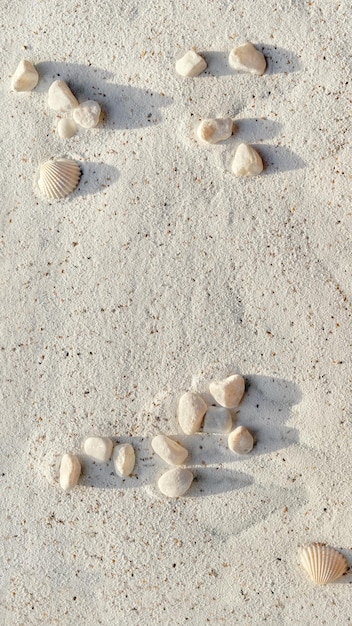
(70, 470)
(241, 440)
(60, 97)
(191, 410)
(175, 482)
(66, 128)
(247, 161)
(124, 459)
(25, 77)
(98, 448)
(248, 59)
(169, 450)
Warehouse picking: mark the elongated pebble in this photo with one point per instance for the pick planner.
(191, 64)
(66, 128)
(87, 114)
(241, 440)
(98, 448)
(191, 410)
(214, 130)
(217, 420)
(175, 482)
(169, 450)
(229, 391)
(248, 59)
(247, 161)
(25, 77)
(70, 470)
(60, 97)
(124, 459)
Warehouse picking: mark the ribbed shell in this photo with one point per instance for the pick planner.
(322, 563)
(58, 178)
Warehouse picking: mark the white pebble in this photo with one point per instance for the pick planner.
(191, 64)
(247, 161)
(25, 77)
(218, 129)
(60, 97)
(70, 470)
(175, 482)
(169, 450)
(229, 391)
(241, 440)
(87, 114)
(191, 410)
(66, 128)
(248, 59)
(124, 459)
(98, 448)
(217, 420)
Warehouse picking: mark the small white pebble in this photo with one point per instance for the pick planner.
(124, 459)
(217, 420)
(87, 114)
(60, 97)
(66, 128)
(248, 59)
(175, 482)
(25, 77)
(191, 64)
(191, 410)
(229, 391)
(98, 448)
(241, 440)
(169, 450)
(247, 161)
(70, 470)
(218, 129)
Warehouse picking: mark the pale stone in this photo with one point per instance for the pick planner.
(247, 161)
(248, 59)
(191, 410)
(66, 128)
(60, 97)
(98, 448)
(218, 129)
(229, 391)
(191, 64)
(25, 77)
(124, 459)
(169, 450)
(87, 114)
(70, 470)
(240, 440)
(217, 420)
(175, 482)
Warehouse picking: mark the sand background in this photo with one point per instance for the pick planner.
(160, 272)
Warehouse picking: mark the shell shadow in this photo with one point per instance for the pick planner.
(123, 106)
(265, 409)
(96, 178)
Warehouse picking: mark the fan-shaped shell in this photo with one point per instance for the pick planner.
(322, 563)
(58, 178)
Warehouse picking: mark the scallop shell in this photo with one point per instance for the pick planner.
(322, 563)
(58, 178)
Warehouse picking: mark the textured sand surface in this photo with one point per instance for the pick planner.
(160, 272)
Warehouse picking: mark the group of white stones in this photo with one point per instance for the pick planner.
(194, 415)
(247, 161)
(60, 99)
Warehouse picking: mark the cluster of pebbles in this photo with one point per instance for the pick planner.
(247, 160)
(100, 449)
(194, 415)
(58, 177)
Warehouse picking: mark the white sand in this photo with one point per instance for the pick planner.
(164, 270)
